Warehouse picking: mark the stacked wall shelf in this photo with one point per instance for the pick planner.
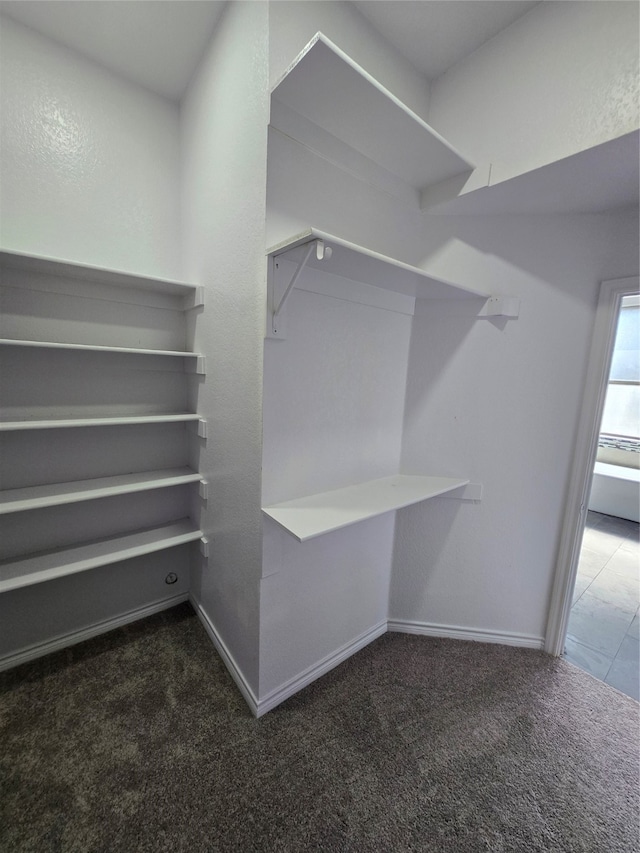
(330, 104)
(146, 308)
(314, 515)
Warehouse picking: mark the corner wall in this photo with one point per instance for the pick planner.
(89, 161)
(294, 23)
(224, 118)
(559, 80)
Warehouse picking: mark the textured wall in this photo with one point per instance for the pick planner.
(559, 80)
(89, 162)
(224, 136)
(499, 402)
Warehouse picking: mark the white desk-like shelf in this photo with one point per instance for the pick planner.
(334, 93)
(46, 566)
(72, 423)
(56, 494)
(308, 517)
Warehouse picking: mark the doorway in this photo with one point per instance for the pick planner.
(580, 523)
(603, 631)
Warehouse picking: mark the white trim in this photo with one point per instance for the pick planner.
(227, 658)
(584, 457)
(64, 641)
(458, 632)
(291, 687)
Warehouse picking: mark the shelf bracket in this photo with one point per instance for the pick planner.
(204, 547)
(203, 490)
(193, 300)
(501, 306)
(275, 310)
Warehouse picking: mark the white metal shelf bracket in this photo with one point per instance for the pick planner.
(275, 310)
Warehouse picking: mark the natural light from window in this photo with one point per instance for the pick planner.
(620, 428)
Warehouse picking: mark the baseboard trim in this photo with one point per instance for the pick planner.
(65, 640)
(457, 632)
(291, 687)
(227, 658)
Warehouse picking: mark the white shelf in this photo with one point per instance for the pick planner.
(88, 273)
(596, 180)
(38, 568)
(308, 517)
(56, 494)
(97, 348)
(357, 263)
(329, 89)
(71, 423)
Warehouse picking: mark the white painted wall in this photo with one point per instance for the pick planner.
(224, 118)
(557, 81)
(293, 24)
(499, 402)
(89, 161)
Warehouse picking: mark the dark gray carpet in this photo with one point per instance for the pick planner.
(139, 741)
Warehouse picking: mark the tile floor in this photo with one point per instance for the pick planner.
(603, 636)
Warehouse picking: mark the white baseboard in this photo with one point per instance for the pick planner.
(227, 658)
(289, 688)
(63, 641)
(457, 632)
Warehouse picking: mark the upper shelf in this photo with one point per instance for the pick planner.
(308, 517)
(98, 275)
(329, 89)
(599, 179)
(357, 263)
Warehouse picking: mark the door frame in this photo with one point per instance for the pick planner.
(584, 457)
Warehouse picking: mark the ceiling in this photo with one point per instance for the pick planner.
(158, 43)
(435, 34)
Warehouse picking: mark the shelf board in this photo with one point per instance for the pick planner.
(56, 494)
(46, 566)
(70, 423)
(94, 274)
(599, 179)
(308, 517)
(329, 89)
(97, 348)
(357, 263)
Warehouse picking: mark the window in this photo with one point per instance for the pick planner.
(619, 442)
